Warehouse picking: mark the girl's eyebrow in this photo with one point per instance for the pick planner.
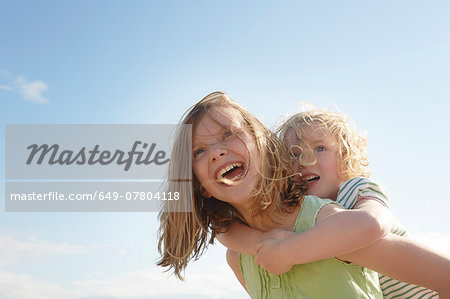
(197, 143)
(196, 146)
(318, 141)
(199, 140)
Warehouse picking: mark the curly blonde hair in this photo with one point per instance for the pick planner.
(352, 143)
(184, 235)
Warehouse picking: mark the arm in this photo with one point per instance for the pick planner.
(244, 239)
(364, 194)
(336, 233)
(379, 213)
(233, 262)
(241, 238)
(406, 260)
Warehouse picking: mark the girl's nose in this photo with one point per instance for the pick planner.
(217, 153)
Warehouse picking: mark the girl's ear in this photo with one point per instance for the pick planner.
(204, 192)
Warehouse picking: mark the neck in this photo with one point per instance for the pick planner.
(247, 213)
(269, 221)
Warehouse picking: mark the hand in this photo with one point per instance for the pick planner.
(269, 257)
(279, 234)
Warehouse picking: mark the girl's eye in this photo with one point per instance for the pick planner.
(320, 149)
(227, 134)
(198, 152)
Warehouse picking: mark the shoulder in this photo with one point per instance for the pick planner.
(315, 199)
(312, 206)
(358, 182)
(312, 202)
(358, 187)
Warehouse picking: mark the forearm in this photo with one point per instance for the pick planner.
(337, 232)
(406, 260)
(241, 238)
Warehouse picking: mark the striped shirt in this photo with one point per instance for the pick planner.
(359, 188)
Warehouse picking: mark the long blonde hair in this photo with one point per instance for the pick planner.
(183, 236)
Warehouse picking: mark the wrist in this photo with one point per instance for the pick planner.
(284, 252)
(262, 236)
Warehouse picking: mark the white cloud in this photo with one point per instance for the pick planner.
(31, 91)
(217, 282)
(27, 287)
(208, 278)
(18, 249)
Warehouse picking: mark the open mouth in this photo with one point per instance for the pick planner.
(231, 173)
(311, 178)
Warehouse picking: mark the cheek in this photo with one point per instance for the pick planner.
(199, 170)
(295, 165)
(255, 159)
(330, 163)
(337, 169)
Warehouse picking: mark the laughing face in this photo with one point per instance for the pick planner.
(225, 157)
(323, 178)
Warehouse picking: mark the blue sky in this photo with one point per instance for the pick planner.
(384, 63)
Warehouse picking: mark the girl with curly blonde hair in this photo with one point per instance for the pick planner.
(329, 154)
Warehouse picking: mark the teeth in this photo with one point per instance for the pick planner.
(310, 177)
(228, 168)
(220, 174)
(227, 181)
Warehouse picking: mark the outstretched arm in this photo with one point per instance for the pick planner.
(406, 260)
(336, 233)
(244, 239)
(241, 238)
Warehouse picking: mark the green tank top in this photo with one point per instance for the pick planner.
(330, 278)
